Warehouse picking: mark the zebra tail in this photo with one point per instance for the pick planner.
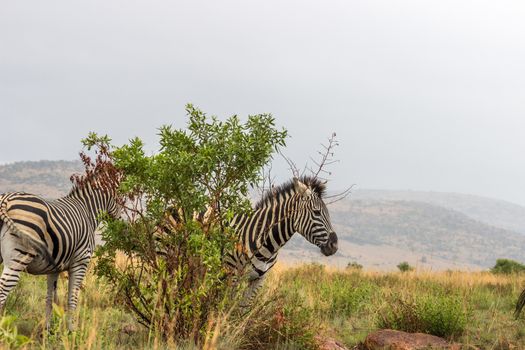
(520, 304)
(26, 239)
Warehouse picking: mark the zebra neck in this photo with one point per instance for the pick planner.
(276, 237)
(268, 229)
(94, 201)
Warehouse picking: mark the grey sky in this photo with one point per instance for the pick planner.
(424, 95)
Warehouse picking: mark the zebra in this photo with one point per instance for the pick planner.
(519, 304)
(46, 237)
(296, 206)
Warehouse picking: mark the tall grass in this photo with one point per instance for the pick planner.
(297, 305)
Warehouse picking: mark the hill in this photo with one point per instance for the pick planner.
(491, 211)
(376, 228)
(380, 234)
(46, 178)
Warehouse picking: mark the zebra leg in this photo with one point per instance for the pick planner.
(51, 297)
(11, 274)
(251, 291)
(76, 276)
(256, 277)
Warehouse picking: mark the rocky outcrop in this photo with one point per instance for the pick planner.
(388, 339)
(329, 344)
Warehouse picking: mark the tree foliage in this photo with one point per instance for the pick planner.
(507, 267)
(169, 273)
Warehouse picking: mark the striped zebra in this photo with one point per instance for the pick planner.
(296, 206)
(520, 304)
(46, 237)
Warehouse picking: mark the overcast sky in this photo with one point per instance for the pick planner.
(424, 95)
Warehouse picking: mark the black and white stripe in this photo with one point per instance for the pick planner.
(297, 206)
(50, 236)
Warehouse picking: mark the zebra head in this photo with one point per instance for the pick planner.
(312, 219)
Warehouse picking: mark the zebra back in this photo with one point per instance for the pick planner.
(61, 230)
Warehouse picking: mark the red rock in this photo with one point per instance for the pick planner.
(329, 344)
(388, 339)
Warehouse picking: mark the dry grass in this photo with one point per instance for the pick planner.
(296, 304)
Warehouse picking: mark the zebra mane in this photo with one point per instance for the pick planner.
(316, 185)
(76, 187)
(93, 182)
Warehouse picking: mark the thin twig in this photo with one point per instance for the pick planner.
(326, 156)
(291, 164)
(340, 196)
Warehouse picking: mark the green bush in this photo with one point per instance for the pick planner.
(507, 267)
(404, 267)
(354, 266)
(9, 334)
(173, 281)
(441, 315)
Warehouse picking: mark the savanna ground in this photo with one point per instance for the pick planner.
(297, 304)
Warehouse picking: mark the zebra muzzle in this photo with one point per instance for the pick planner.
(331, 246)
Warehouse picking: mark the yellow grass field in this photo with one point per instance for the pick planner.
(298, 304)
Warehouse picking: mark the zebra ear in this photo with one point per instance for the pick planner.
(301, 188)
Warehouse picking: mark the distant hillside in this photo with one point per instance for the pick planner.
(383, 233)
(376, 228)
(494, 212)
(46, 178)
(427, 229)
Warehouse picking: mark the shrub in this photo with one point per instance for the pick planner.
(173, 281)
(354, 266)
(404, 267)
(507, 266)
(9, 334)
(441, 315)
(278, 319)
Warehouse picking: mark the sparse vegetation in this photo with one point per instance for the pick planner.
(507, 266)
(296, 305)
